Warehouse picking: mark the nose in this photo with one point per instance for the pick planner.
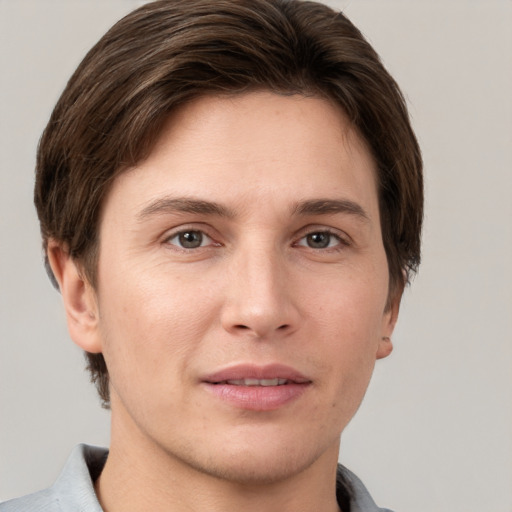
(259, 297)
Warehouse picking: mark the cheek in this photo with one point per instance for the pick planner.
(148, 323)
(350, 360)
(349, 321)
(351, 301)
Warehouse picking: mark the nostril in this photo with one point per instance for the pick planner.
(240, 326)
(283, 327)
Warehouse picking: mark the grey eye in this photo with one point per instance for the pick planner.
(318, 240)
(190, 239)
(321, 240)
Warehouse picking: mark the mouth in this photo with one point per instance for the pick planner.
(257, 388)
(255, 382)
(255, 375)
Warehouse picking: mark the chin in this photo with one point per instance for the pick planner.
(258, 461)
(248, 469)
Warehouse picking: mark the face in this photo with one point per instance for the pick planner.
(242, 286)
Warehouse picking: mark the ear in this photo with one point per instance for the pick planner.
(78, 296)
(389, 319)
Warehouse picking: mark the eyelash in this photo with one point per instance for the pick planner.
(183, 232)
(342, 242)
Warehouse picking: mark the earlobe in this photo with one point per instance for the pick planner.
(385, 347)
(390, 317)
(78, 297)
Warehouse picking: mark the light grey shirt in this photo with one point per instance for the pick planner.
(73, 491)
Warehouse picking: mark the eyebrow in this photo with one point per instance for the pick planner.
(167, 205)
(184, 205)
(329, 206)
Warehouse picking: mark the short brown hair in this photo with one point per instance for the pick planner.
(171, 51)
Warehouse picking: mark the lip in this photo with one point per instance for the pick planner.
(250, 371)
(257, 398)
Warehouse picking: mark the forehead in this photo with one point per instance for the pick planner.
(243, 125)
(254, 147)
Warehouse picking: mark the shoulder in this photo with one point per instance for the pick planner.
(39, 501)
(72, 491)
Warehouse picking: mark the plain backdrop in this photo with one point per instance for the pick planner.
(434, 433)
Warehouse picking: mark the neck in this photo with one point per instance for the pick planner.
(139, 475)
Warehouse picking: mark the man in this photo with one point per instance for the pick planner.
(230, 199)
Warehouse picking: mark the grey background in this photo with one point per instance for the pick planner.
(435, 430)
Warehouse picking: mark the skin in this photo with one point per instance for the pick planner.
(258, 289)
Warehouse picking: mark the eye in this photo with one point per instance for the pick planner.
(321, 240)
(190, 239)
